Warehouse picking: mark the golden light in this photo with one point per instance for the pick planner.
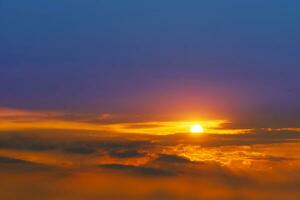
(197, 128)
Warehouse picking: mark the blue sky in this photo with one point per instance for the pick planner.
(232, 58)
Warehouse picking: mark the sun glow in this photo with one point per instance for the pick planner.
(197, 128)
(15, 120)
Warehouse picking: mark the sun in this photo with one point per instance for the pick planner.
(197, 128)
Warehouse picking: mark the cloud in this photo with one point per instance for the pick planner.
(23, 165)
(7, 160)
(172, 159)
(17, 119)
(105, 116)
(80, 144)
(218, 140)
(21, 114)
(79, 149)
(144, 167)
(139, 170)
(126, 153)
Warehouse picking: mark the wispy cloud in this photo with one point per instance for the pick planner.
(12, 119)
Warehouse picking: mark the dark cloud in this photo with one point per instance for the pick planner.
(7, 160)
(126, 153)
(79, 149)
(270, 158)
(138, 145)
(141, 159)
(139, 170)
(204, 170)
(120, 148)
(278, 158)
(22, 165)
(24, 142)
(172, 159)
(218, 140)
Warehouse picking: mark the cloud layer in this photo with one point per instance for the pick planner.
(84, 165)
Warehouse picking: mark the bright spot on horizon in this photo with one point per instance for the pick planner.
(197, 128)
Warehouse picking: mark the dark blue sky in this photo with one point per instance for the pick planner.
(235, 58)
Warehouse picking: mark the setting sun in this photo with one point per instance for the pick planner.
(197, 128)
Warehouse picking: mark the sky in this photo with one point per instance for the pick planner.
(97, 99)
(226, 59)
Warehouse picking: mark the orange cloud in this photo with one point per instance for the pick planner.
(13, 119)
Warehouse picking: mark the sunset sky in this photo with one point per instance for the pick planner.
(96, 91)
